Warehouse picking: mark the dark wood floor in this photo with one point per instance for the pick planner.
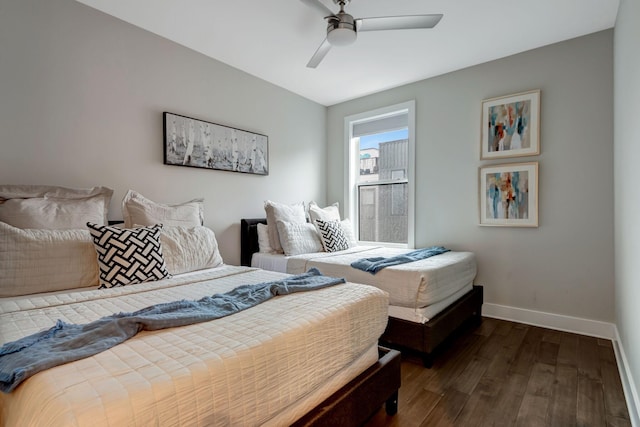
(509, 374)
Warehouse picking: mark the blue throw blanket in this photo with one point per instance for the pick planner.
(375, 264)
(67, 342)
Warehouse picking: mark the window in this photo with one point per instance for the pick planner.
(379, 188)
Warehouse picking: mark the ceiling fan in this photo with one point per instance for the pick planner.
(342, 28)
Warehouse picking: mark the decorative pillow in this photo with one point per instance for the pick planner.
(187, 249)
(138, 210)
(347, 227)
(332, 235)
(50, 207)
(128, 255)
(34, 261)
(280, 212)
(298, 239)
(330, 213)
(263, 239)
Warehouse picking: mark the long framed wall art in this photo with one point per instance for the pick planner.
(201, 144)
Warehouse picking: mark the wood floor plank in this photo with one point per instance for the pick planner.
(614, 402)
(416, 411)
(413, 382)
(605, 343)
(550, 335)
(468, 379)
(503, 359)
(590, 403)
(526, 355)
(506, 406)
(547, 353)
(562, 411)
(479, 407)
(446, 411)
(618, 422)
(447, 369)
(606, 354)
(487, 326)
(588, 359)
(505, 374)
(535, 403)
(568, 350)
(503, 327)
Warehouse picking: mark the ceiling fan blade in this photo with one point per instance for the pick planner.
(320, 54)
(397, 22)
(317, 5)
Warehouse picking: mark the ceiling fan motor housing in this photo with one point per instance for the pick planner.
(341, 29)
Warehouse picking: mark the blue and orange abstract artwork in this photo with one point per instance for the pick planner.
(509, 126)
(507, 195)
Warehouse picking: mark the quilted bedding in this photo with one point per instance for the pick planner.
(413, 285)
(267, 364)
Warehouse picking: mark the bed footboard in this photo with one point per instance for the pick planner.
(360, 399)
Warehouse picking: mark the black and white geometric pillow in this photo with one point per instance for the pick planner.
(332, 235)
(128, 255)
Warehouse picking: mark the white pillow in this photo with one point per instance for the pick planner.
(51, 207)
(280, 212)
(34, 261)
(347, 227)
(299, 238)
(189, 249)
(330, 213)
(263, 239)
(52, 214)
(138, 210)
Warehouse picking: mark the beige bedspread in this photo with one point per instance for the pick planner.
(414, 285)
(254, 367)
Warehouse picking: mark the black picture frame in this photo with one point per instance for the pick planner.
(201, 144)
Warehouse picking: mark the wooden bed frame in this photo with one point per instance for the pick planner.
(361, 398)
(425, 339)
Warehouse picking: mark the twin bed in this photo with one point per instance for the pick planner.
(309, 358)
(429, 299)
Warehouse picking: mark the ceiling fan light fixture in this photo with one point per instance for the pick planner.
(343, 29)
(341, 36)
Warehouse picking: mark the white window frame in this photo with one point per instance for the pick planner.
(352, 167)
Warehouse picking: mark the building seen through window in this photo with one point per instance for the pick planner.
(382, 187)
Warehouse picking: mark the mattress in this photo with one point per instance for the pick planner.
(413, 285)
(424, 314)
(266, 365)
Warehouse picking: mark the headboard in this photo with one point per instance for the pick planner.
(249, 239)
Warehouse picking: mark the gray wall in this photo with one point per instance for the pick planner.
(565, 266)
(627, 197)
(81, 102)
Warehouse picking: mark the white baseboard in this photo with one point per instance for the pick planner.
(628, 385)
(593, 328)
(581, 326)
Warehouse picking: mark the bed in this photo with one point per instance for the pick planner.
(429, 300)
(309, 358)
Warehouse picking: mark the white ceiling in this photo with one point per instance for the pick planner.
(274, 39)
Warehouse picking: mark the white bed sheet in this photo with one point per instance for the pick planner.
(270, 261)
(267, 364)
(413, 285)
(424, 314)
